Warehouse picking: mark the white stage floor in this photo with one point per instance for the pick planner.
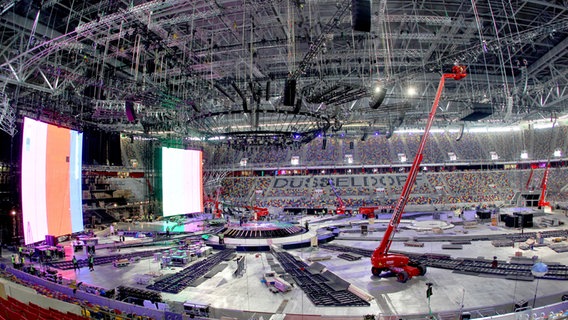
(451, 291)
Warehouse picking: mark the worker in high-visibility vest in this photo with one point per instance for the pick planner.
(13, 261)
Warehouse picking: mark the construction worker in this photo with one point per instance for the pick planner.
(91, 262)
(494, 263)
(14, 261)
(75, 263)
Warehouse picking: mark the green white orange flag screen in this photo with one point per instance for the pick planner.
(51, 181)
(182, 181)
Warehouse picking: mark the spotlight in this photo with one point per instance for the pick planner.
(378, 97)
(411, 91)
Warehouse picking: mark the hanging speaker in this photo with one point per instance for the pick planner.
(290, 92)
(267, 90)
(378, 98)
(150, 66)
(324, 144)
(351, 145)
(361, 15)
(129, 108)
(460, 135)
(297, 107)
(256, 119)
(240, 93)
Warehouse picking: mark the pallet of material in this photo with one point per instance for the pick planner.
(502, 243)
(414, 244)
(319, 258)
(452, 246)
(470, 224)
(349, 257)
(559, 247)
(360, 293)
(523, 259)
(460, 242)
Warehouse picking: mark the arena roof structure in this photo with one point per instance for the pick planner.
(280, 70)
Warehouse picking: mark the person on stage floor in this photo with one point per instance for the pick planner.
(75, 263)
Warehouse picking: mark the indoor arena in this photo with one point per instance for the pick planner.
(283, 159)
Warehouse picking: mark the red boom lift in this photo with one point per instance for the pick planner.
(542, 199)
(399, 264)
(370, 211)
(341, 206)
(214, 203)
(259, 212)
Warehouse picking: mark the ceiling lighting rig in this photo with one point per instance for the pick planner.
(7, 116)
(264, 127)
(333, 93)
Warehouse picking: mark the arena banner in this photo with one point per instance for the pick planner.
(355, 181)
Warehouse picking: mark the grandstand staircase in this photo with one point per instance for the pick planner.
(392, 153)
(451, 142)
(516, 201)
(409, 153)
(528, 140)
(484, 145)
(100, 216)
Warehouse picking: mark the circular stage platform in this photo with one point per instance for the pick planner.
(262, 230)
(429, 225)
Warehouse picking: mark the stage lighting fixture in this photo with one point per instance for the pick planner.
(411, 91)
(378, 97)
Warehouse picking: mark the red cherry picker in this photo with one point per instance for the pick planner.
(400, 265)
(341, 206)
(214, 203)
(542, 203)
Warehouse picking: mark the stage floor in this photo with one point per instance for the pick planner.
(451, 291)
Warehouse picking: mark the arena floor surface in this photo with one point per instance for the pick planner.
(245, 296)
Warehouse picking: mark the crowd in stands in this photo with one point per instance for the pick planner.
(435, 180)
(477, 181)
(546, 142)
(356, 191)
(263, 183)
(398, 146)
(505, 144)
(348, 147)
(378, 150)
(432, 153)
(442, 141)
(288, 192)
(315, 153)
(374, 150)
(268, 155)
(459, 187)
(469, 148)
(422, 188)
(237, 190)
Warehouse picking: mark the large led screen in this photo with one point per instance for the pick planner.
(182, 182)
(51, 181)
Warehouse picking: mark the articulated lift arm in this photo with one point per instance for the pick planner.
(341, 207)
(529, 179)
(380, 259)
(542, 199)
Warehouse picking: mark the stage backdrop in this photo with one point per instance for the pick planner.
(51, 180)
(182, 181)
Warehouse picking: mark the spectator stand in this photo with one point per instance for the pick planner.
(93, 300)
